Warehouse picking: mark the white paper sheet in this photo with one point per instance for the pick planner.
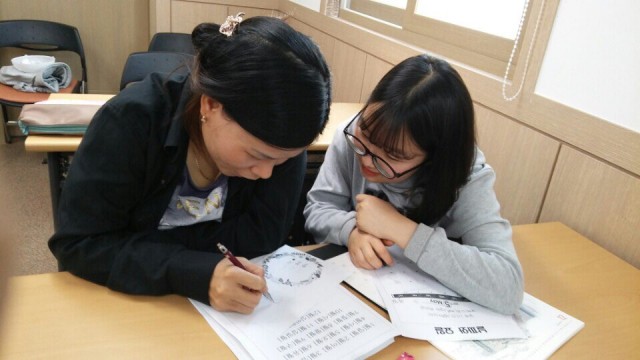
(423, 308)
(295, 280)
(361, 280)
(547, 327)
(233, 343)
(334, 323)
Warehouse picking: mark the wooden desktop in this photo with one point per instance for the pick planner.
(64, 143)
(61, 316)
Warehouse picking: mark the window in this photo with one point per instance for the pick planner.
(474, 32)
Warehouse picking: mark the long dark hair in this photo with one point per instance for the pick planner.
(271, 79)
(425, 98)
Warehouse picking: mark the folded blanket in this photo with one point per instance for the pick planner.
(50, 79)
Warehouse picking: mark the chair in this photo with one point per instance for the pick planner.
(174, 42)
(297, 234)
(40, 36)
(141, 64)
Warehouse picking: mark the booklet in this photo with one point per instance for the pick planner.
(546, 327)
(313, 316)
(422, 308)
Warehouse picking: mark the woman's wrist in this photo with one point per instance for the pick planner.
(403, 231)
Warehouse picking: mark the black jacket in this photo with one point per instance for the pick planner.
(120, 184)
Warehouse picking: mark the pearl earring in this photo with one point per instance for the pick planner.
(203, 119)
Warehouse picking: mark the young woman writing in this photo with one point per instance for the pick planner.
(173, 165)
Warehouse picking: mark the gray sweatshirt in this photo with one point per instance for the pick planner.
(484, 268)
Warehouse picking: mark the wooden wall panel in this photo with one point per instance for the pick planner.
(251, 12)
(597, 200)
(325, 42)
(348, 72)
(374, 70)
(159, 16)
(185, 15)
(523, 160)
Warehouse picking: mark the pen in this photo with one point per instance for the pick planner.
(237, 263)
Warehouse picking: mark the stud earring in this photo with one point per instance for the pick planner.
(203, 119)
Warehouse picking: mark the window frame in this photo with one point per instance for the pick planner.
(483, 51)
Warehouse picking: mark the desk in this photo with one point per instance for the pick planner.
(60, 147)
(60, 316)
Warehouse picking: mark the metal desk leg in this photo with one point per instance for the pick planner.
(55, 177)
(5, 119)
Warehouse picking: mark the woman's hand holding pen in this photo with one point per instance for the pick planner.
(380, 219)
(235, 289)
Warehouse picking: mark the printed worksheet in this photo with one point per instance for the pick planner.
(317, 318)
(361, 280)
(295, 281)
(547, 329)
(423, 308)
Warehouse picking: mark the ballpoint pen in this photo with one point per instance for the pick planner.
(237, 263)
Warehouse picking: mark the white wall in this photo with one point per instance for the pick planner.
(592, 62)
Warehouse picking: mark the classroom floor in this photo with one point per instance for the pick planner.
(26, 207)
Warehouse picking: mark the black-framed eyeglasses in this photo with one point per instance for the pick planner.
(381, 165)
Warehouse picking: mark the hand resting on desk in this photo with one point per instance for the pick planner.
(367, 251)
(379, 225)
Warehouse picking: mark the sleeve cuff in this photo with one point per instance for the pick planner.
(190, 274)
(348, 226)
(418, 242)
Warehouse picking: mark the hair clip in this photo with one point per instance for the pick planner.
(229, 25)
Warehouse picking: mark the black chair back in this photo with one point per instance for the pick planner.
(141, 64)
(175, 42)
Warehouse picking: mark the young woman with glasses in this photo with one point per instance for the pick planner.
(177, 163)
(406, 171)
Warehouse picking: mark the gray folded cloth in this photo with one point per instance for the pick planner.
(50, 79)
